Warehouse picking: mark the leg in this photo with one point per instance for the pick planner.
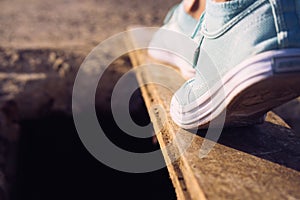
(194, 7)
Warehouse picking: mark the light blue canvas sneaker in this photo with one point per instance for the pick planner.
(164, 44)
(248, 63)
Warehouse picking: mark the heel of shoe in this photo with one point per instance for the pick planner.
(288, 62)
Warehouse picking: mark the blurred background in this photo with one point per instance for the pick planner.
(42, 45)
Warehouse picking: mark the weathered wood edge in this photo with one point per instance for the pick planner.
(174, 169)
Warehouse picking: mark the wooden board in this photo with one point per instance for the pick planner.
(257, 162)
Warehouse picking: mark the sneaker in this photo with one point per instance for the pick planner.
(164, 44)
(248, 63)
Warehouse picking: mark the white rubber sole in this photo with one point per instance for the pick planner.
(247, 92)
(185, 68)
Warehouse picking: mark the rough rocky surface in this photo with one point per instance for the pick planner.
(290, 112)
(39, 81)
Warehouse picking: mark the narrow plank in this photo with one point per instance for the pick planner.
(257, 162)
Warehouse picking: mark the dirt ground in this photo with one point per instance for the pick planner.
(59, 23)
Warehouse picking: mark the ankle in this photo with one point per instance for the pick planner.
(194, 7)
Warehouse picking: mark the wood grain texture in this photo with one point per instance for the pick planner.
(256, 162)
